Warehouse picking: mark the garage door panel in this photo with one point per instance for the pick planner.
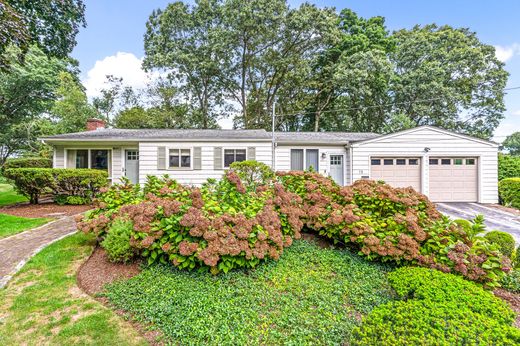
(453, 182)
(403, 174)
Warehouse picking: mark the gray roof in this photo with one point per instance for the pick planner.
(324, 137)
(158, 134)
(134, 135)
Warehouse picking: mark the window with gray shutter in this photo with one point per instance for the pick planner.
(217, 158)
(251, 153)
(311, 159)
(161, 157)
(197, 158)
(296, 159)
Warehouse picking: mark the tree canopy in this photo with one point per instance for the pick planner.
(512, 144)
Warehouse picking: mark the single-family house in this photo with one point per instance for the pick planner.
(443, 165)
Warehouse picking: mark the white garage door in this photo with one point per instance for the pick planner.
(453, 179)
(398, 172)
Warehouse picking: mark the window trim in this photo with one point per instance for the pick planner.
(235, 149)
(179, 168)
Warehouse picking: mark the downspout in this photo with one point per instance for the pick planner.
(351, 165)
(273, 141)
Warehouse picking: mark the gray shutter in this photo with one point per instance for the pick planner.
(197, 158)
(251, 153)
(312, 160)
(161, 157)
(217, 158)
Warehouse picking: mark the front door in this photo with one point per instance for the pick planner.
(336, 168)
(132, 165)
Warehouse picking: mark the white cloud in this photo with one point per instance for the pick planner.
(504, 53)
(124, 65)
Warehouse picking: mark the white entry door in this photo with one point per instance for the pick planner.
(336, 168)
(132, 165)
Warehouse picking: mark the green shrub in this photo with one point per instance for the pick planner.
(31, 182)
(508, 166)
(516, 259)
(509, 191)
(117, 241)
(423, 322)
(253, 173)
(79, 184)
(437, 309)
(28, 162)
(433, 285)
(505, 242)
(511, 281)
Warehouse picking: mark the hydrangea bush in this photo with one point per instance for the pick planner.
(230, 223)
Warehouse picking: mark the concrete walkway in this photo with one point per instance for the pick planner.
(494, 218)
(17, 249)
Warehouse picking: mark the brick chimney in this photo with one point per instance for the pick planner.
(95, 124)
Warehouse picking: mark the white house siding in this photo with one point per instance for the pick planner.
(148, 159)
(412, 143)
(59, 157)
(283, 158)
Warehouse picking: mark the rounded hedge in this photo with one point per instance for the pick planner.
(28, 162)
(437, 309)
(508, 166)
(509, 191)
(505, 242)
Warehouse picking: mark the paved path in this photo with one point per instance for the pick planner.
(17, 249)
(494, 217)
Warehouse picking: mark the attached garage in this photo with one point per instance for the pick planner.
(398, 172)
(451, 167)
(453, 179)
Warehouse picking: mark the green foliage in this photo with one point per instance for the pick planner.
(433, 285)
(50, 24)
(28, 162)
(505, 242)
(509, 191)
(511, 281)
(508, 166)
(61, 183)
(517, 258)
(512, 144)
(253, 173)
(311, 295)
(117, 241)
(440, 309)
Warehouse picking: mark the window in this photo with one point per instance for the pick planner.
(312, 160)
(179, 158)
(446, 162)
(434, 161)
(234, 155)
(98, 159)
(388, 162)
(132, 155)
(82, 158)
(400, 162)
(457, 162)
(296, 159)
(470, 161)
(375, 162)
(413, 162)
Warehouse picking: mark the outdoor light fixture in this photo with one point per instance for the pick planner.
(426, 149)
(323, 155)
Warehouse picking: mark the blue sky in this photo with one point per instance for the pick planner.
(113, 40)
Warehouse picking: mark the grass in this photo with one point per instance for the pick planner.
(43, 305)
(310, 296)
(9, 196)
(10, 224)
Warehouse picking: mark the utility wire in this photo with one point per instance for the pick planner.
(370, 107)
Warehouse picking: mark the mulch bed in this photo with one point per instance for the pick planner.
(514, 301)
(52, 210)
(98, 271)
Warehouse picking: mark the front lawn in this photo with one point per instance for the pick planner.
(310, 296)
(10, 224)
(9, 196)
(43, 305)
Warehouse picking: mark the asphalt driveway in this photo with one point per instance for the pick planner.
(494, 218)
